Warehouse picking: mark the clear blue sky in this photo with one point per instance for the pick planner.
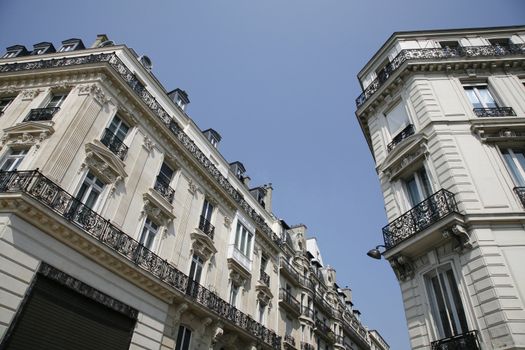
(277, 79)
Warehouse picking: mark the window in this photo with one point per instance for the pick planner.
(243, 239)
(90, 190)
(183, 339)
(10, 54)
(119, 128)
(56, 100)
(4, 103)
(480, 96)
(13, 159)
(446, 306)
(207, 210)
(397, 119)
(418, 187)
(261, 313)
(196, 268)
(234, 292)
(68, 47)
(515, 161)
(149, 231)
(165, 174)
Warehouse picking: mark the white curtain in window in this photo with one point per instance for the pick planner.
(397, 119)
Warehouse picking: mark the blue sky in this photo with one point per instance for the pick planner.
(277, 79)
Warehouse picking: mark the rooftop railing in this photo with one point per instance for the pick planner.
(57, 200)
(433, 54)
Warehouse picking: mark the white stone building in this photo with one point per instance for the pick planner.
(443, 113)
(122, 225)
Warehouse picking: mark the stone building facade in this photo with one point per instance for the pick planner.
(443, 113)
(122, 225)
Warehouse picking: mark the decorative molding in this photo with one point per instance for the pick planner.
(97, 92)
(202, 245)
(403, 267)
(148, 144)
(27, 134)
(227, 221)
(460, 233)
(156, 210)
(28, 95)
(104, 163)
(192, 186)
(86, 290)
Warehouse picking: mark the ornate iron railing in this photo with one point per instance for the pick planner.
(114, 144)
(39, 187)
(264, 278)
(288, 298)
(307, 346)
(322, 327)
(306, 283)
(352, 323)
(465, 341)
(206, 227)
(423, 215)
(432, 54)
(163, 116)
(495, 112)
(164, 189)
(520, 191)
(288, 339)
(41, 114)
(406, 132)
(289, 268)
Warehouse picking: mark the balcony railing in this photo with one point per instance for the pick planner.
(520, 191)
(288, 339)
(339, 339)
(41, 114)
(114, 144)
(206, 227)
(323, 329)
(494, 112)
(287, 298)
(465, 341)
(289, 268)
(164, 189)
(433, 54)
(406, 132)
(307, 346)
(264, 278)
(423, 215)
(49, 194)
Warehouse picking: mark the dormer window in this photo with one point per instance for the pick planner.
(212, 136)
(43, 48)
(180, 97)
(15, 51)
(259, 193)
(71, 45)
(238, 169)
(452, 44)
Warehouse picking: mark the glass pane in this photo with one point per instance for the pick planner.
(187, 337)
(397, 119)
(166, 172)
(425, 183)
(413, 193)
(8, 165)
(473, 98)
(179, 338)
(249, 244)
(238, 235)
(513, 167)
(486, 98)
(450, 309)
(243, 240)
(443, 314)
(457, 303)
(91, 198)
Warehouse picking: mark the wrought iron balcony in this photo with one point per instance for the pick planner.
(57, 200)
(520, 191)
(264, 278)
(406, 132)
(288, 339)
(41, 114)
(323, 329)
(206, 227)
(423, 215)
(288, 299)
(495, 112)
(164, 189)
(307, 346)
(433, 54)
(285, 265)
(465, 341)
(114, 144)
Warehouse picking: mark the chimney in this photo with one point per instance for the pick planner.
(246, 181)
(268, 197)
(101, 38)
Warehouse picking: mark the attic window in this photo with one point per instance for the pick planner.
(42, 48)
(15, 51)
(212, 136)
(71, 45)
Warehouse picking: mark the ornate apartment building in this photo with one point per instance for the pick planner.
(122, 225)
(443, 113)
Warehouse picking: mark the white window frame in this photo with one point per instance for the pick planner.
(516, 169)
(60, 101)
(68, 47)
(118, 127)
(234, 294)
(196, 268)
(261, 313)
(207, 210)
(9, 100)
(420, 187)
(183, 341)
(244, 239)
(91, 186)
(399, 106)
(149, 229)
(17, 155)
(476, 90)
(452, 313)
(11, 54)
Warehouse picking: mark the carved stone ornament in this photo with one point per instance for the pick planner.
(203, 245)
(237, 279)
(30, 94)
(217, 333)
(227, 221)
(93, 89)
(404, 156)
(192, 186)
(264, 295)
(155, 211)
(461, 235)
(104, 163)
(177, 315)
(27, 134)
(148, 144)
(403, 267)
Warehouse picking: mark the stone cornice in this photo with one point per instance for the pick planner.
(163, 116)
